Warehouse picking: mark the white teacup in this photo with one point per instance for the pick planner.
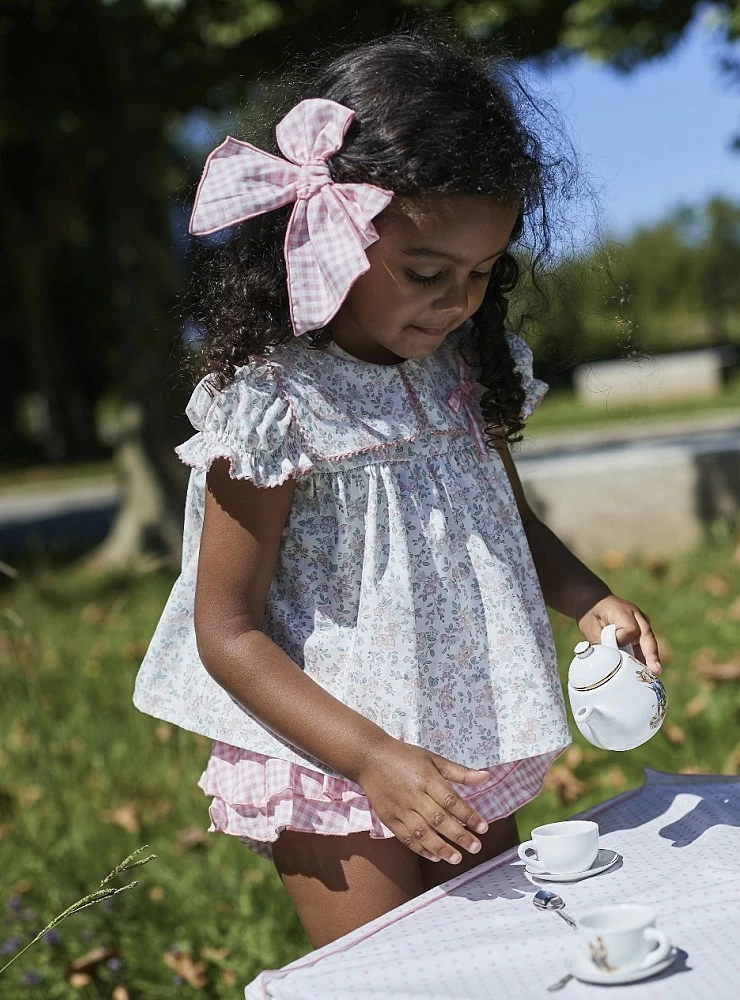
(562, 848)
(620, 937)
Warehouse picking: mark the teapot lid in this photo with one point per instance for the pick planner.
(593, 665)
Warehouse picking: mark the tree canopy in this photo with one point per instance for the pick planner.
(93, 96)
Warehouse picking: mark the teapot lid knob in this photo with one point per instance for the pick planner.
(583, 649)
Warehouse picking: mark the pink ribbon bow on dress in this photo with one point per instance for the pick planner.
(463, 398)
(331, 224)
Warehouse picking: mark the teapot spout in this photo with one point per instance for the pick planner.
(585, 717)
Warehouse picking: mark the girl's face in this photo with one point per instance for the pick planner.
(429, 271)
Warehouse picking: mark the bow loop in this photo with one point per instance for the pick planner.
(313, 131)
(330, 225)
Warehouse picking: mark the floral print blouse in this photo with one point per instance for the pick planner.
(404, 584)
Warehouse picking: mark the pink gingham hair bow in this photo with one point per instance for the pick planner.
(463, 397)
(331, 224)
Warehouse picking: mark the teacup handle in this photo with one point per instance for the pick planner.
(530, 860)
(662, 951)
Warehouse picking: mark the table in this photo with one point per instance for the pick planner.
(478, 937)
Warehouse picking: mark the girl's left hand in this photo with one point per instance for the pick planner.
(633, 626)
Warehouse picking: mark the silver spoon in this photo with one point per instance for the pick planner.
(546, 900)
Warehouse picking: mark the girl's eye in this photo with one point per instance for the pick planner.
(430, 279)
(423, 279)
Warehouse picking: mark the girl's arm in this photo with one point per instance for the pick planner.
(407, 786)
(572, 589)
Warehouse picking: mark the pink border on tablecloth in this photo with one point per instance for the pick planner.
(420, 903)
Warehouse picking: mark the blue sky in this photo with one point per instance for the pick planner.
(654, 138)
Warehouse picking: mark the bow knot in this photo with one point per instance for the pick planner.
(462, 397)
(331, 224)
(311, 178)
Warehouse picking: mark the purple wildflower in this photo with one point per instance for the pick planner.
(15, 904)
(177, 980)
(113, 964)
(11, 946)
(31, 978)
(52, 938)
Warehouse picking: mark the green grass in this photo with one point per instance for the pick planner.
(560, 410)
(85, 779)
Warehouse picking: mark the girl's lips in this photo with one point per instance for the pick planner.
(430, 331)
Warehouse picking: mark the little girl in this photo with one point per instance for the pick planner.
(360, 620)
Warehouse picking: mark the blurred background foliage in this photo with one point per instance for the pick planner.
(107, 109)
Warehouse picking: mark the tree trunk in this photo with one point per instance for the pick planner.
(143, 279)
(147, 529)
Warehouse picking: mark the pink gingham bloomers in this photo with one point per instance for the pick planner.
(255, 798)
(404, 585)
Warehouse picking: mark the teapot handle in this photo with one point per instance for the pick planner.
(609, 638)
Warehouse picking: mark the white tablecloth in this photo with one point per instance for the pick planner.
(479, 937)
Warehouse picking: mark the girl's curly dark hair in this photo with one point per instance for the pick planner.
(429, 117)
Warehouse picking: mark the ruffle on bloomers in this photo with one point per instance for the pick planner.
(255, 797)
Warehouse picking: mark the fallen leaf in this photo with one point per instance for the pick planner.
(192, 836)
(613, 558)
(182, 964)
(563, 782)
(157, 894)
(78, 980)
(714, 585)
(615, 778)
(573, 756)
(135, 650)
(693, 769)
(120, 993)
(29, 795)
(91, 614)
(163, 732)
(733, 612)
(21, 888)
(673, 733)
(161, 810)
(228, 977)
(698, 704)
(215, 954)
(91, 959)
(123, 816)
(710, 671)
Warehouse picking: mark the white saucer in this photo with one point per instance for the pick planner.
(582, 969)
(603, 860)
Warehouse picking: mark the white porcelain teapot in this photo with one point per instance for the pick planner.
(617, 703)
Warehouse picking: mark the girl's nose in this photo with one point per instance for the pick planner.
(454, 297)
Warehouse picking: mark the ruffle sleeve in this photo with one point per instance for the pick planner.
(250, 424)
(534, 388)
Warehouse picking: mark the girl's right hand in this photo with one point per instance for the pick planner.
(409, 789)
